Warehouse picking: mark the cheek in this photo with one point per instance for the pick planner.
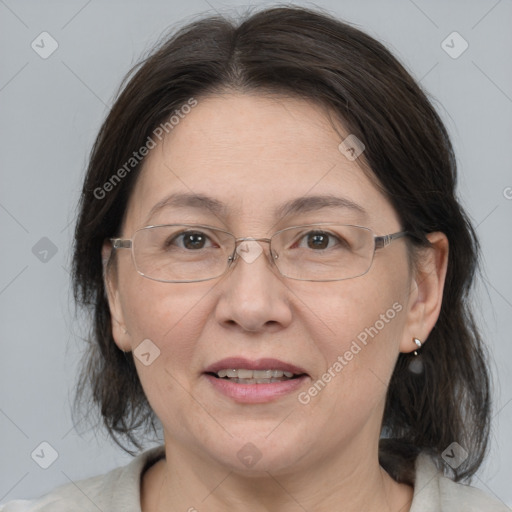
(357, 327)
(359, 351)
(361, 310)
(171, 315)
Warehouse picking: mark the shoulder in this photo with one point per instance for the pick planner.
(118, 490)
(434, 492)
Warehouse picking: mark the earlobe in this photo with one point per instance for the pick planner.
(119, 331)
(426, 292)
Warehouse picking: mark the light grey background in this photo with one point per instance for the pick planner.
(50, 112)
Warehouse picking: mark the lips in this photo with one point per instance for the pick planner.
(255, 390)
(239, 363)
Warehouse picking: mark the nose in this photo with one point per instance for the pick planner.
(252, 294)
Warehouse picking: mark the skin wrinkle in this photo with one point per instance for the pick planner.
(326, 452)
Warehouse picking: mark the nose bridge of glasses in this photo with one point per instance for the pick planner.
(251, 239)
(248, 253)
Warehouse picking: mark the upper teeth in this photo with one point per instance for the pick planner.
(253, 374)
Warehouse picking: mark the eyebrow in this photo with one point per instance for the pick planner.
(307, 204)
(185, 200)
(303, 204)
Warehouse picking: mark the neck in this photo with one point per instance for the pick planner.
(346, 482)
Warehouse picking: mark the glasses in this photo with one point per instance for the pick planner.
(187, 253)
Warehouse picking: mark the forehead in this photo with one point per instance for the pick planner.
(254, 155)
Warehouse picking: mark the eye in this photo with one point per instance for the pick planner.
(190, 240)
(319, 240)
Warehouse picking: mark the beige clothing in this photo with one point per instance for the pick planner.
(119, 491)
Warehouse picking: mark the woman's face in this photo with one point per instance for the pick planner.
(252, 154)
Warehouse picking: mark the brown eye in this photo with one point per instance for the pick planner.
(321, 240)
(318, 240)
(190, 240)
(194, 240)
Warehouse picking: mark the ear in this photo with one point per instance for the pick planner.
(119, 331)
(426, 291)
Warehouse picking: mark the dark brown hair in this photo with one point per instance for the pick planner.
(308, 54)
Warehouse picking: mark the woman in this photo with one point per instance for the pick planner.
(279, 270)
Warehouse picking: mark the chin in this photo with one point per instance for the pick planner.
(256, 456)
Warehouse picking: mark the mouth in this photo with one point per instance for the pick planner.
(258, 381)
(245, 376)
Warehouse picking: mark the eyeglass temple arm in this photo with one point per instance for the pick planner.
(383, 241)
(121, 243)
